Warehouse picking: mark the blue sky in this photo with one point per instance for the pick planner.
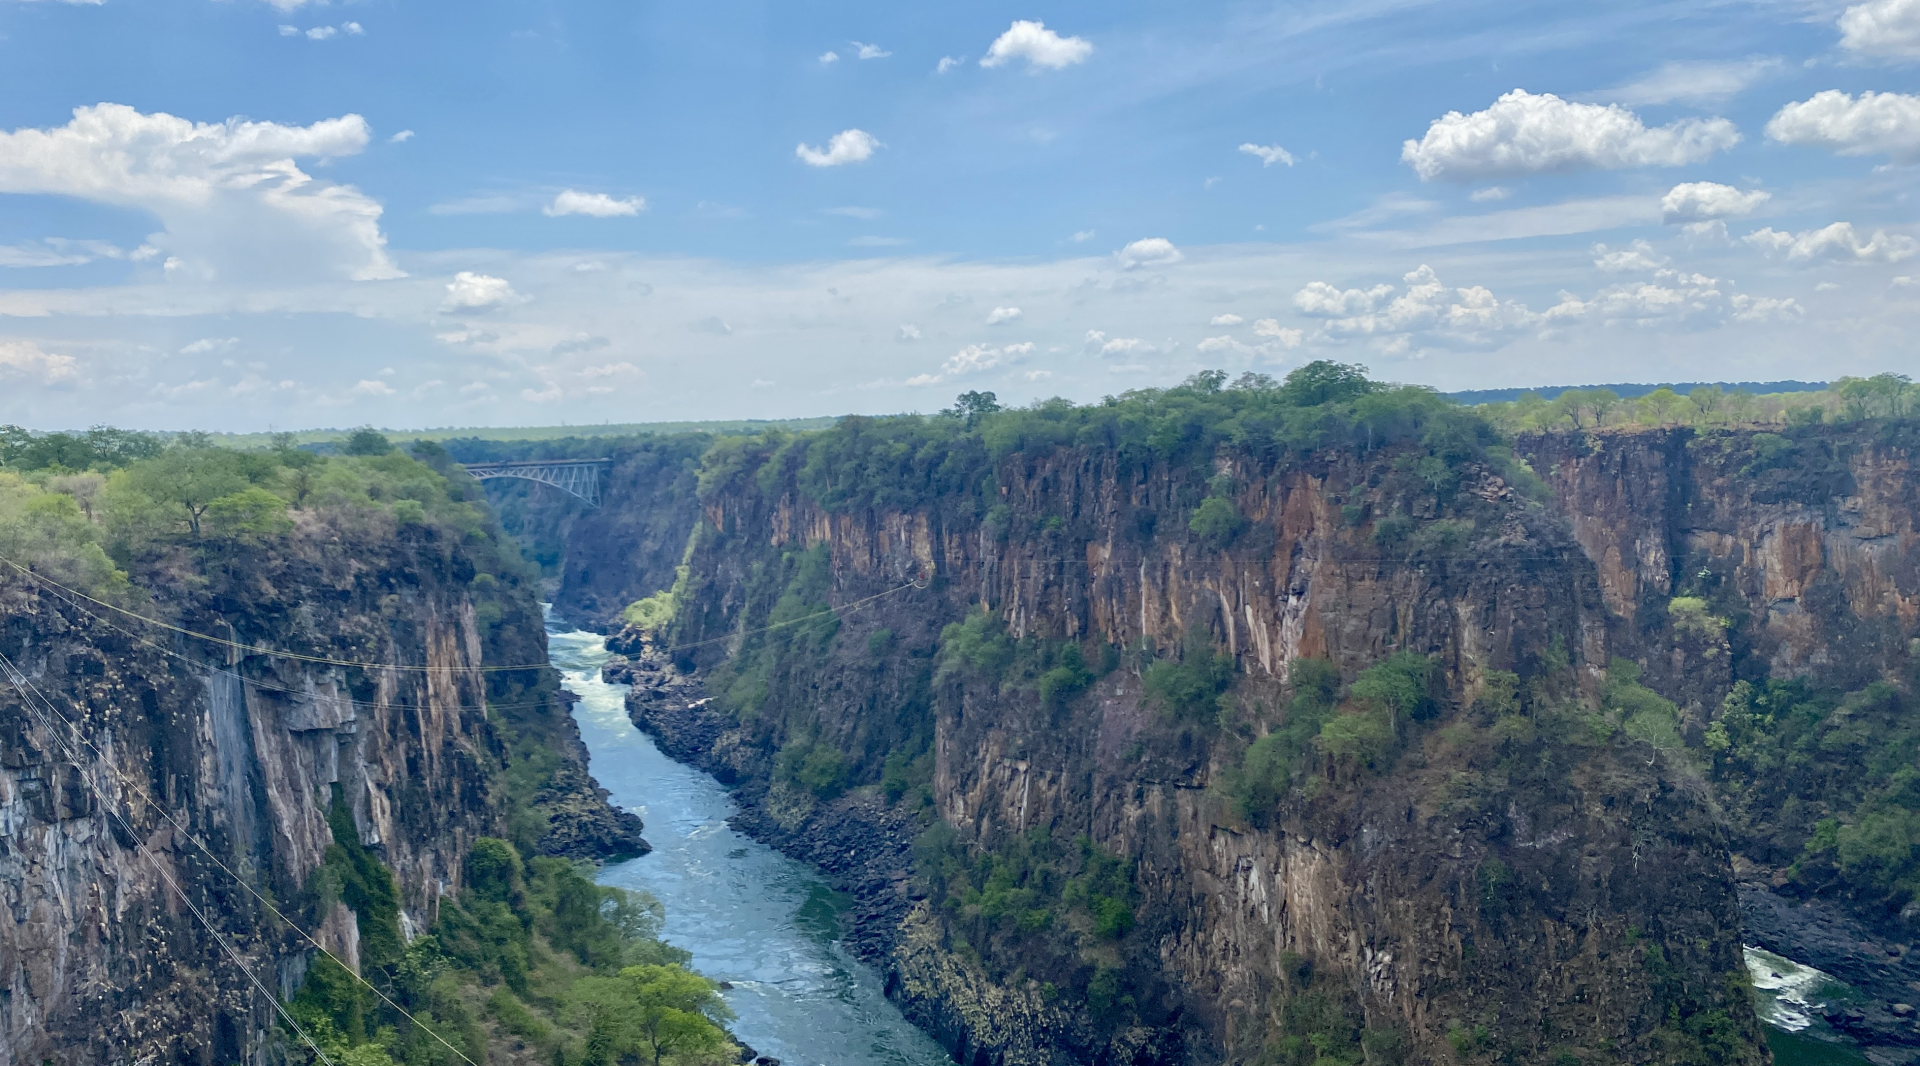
(328, 213)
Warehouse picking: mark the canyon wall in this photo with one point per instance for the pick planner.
(247, 751)
(1485, 885)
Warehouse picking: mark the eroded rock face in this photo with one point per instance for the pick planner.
(1446, 893)
(1811, 536)
(100, 961)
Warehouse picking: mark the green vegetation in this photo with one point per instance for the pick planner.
(1030, 889)
(1320, 1023)
(1847, 399)
(533, 949)
(1825, 781)
(655, 612)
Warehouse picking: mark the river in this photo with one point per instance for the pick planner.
(769, 926)
(751, 916)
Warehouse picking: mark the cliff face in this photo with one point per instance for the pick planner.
(247, 751)
(1480, 888)
(1804, 542)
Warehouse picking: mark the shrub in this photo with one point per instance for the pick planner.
(1216, 522)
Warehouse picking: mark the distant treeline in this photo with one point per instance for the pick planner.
(1635, 391)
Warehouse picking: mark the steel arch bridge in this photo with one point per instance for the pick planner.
(576, 477)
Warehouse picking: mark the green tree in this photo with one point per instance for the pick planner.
(1663, 404)
(653, 1012)
(367, 441)
(1324, 381)
(252, 514)
(1706, 401)
(971, 405)
(186, 481)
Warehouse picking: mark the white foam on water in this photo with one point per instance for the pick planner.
(1792, 993)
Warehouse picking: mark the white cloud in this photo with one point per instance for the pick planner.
(549, 394)
(973, 359)
(1225, 320)
(1765, 308)
(829, 57)
(25, 360)
(209, 344)
(608, 370)
(1268, 154)
(57, 253)
(1148, 252)
(1429, 312)
(1082, 236)
(370, 387)
(1003, 314)
(1523, 133)
(870, 51)
(1218, 344)
(1638, 256)
(847, 146)
(1700, 201)
(1885, 29)
(1874, 124)
(1324, 301)
(1698, 82)
(353, 28)
(907, 334)
(1099, 343)
(401, 138)
(1839, 242)
(948, 63)
(229, 195)
(594, 205)
(1279, 335)
(288, 6)
(471, 291)
(1827, 286)
(1039, 46)
(321, 33)
(1489, 194)
(289, 31)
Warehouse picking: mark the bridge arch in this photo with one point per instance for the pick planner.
(579, 478)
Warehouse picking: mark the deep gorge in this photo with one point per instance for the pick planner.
(1271, 723)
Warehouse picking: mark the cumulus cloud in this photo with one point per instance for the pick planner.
(1279, 335)
(1039, 46)
(1490, 194)
(1432, 312)
(401, 138)
(1003, 314)
(593, 204)
(1268, 154)
(1638, 256)
(1523, 133)
(1701, 201)
(1098, 343)
(1699, 82)
(1082, 236)
(230, 197)
(26, 361)
(1839, 242)
(1883, 29)
(947, 63)
(973, 359)
(369, 387)
(1324, 301)
(847, 146)
(1225, 320)
(870, 51)
(829, 57)
(1148, 252)
(469, 291)
(321, 33)
(1874, 124)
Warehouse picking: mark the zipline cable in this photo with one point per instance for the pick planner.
(18, 678)
(21, 685)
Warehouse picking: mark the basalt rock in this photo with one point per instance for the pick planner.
(244, 751)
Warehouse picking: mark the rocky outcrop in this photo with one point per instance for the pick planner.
(1575, 899)
(219, 765)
